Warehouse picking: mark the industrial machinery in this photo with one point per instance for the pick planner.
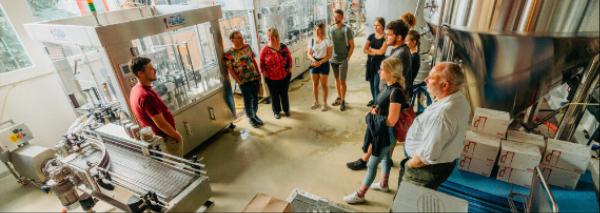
(91, 54)
(100, 162)
(354, 12)
(514, 52)
(294, 19)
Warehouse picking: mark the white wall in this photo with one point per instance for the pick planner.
(389, 10)
(33, 95)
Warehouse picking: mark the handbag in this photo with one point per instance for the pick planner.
(407, 116)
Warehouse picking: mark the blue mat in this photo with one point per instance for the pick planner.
(490, 195)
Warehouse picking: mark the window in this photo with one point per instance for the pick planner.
(44, 10)
(12, 53)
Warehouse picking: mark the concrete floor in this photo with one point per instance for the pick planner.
(307, 151)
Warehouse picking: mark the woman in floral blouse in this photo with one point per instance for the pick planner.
(240, 63)
(276, 65)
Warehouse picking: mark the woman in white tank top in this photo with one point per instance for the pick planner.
(319, 51)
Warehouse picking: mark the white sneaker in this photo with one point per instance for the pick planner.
(354, 198)
(377, 187)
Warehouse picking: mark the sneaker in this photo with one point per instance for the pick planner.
(325, 108)
(259, 121)
(337, 101)
(371, 102)
(377, 187)
(357, 165)
(354, 198)
(315, 106)
(277, 115)
(287, 114)
(343, 106)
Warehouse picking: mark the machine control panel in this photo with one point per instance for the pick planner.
(13, 136)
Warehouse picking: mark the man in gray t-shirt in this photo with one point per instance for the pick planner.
(343, 46)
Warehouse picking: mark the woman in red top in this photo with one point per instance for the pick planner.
(276, 65)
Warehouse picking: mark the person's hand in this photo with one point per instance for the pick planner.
(178, 138)
(374, 111)
(315, 64)
(408, 164)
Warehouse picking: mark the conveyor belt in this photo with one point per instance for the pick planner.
(136, 172)
(147, 173)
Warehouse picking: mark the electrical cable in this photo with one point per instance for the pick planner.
(5, 100)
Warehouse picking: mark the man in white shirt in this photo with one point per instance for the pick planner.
(436, 137)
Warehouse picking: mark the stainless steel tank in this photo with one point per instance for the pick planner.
(514, 51)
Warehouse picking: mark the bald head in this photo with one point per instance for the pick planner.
(452, 73)
(445, 79)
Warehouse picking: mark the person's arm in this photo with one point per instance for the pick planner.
(394, 114)
(263, 61)
(379, 51)
(415, 162)
(433, 142)
(252, 55)
(351, 48)
(165, 127)
(367, 47)
(229, 67)
(309, 53)
(328, 56)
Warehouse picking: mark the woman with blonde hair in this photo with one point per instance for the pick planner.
(319, 51)
(381, 120)
(276, 67)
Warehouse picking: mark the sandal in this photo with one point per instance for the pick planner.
(315, 106)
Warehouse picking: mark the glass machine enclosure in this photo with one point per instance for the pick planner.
(294, 19)
(91, 57)
(354, 12)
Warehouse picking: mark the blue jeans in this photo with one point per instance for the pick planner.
(250, 94)
(374, 85)
(383, 157)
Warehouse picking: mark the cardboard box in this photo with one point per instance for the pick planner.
(566, 155)
(491, 122)
(477, 166)
(521, 177)
(480, 146)
(265, 203)
(519, 155)
(560, 177)
(524, 137)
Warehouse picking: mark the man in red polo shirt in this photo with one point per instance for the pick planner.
(149, 109)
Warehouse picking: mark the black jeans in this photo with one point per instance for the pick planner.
(250, 94)
(279, 94)
(430, 176)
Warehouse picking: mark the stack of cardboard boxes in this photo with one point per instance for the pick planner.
(516, 153)
(564, 162)
(482, 142)
(520, 153)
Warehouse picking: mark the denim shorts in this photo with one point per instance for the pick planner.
(322, 70)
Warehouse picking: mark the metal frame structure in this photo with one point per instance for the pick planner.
(197, 119)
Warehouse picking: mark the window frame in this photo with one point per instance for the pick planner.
(21, 43)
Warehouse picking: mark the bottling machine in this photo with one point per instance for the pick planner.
(90, 54)
(96, 161)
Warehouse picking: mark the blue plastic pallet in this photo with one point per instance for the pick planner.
(490, 195)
